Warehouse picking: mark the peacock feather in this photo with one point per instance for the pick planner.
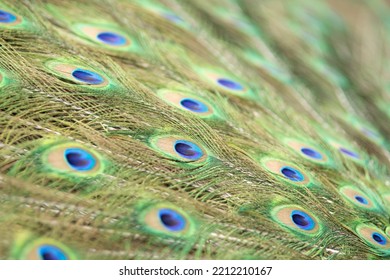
(220, 129)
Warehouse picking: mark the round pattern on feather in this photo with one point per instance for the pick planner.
(72, 159)
(347, 151)
(343, 146)
(111, 38)
(309, 151)
(272, 69)
(188, 150)
(296, 218)
(45, 249)
(79, 159)
(86, 76)
(172, 17)
(77, 74)
(365, 129)
(229, 84)
(164, 12)
(50, 252)
(374, 237)
(166, 219)
(194, 105)
(180, 149)
(287, 171)
(187, 102)
(370, 133)
(9, 19)
(224, 82)
(107, 36)
(357, 197)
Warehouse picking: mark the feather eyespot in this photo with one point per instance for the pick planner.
(358, 198)
(187, 102)
(106, 37)
(88, 77)
(42, 249)
(361, 199)
(379, 238)
(166, 219)
(374, 237)
(272, 69)
(302, 220)
(365, 129)
(188, 150)
(79, 159)
(343, 147)
(109, 37)
(373, 135)
(50, 252)
(171, 219)
(346, 151)
(287, 171)
(370, 133)
(194, 105)
(179, 149)
(72, 159)
(77, 74)
(349, 153)
(224, 82)
(229, 84)
(296, 218)
(8, 18)
(165, 13)
(309, 152)
(292, 174)
(172, 17)
(175, 19)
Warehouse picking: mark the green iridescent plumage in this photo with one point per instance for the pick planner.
(194, 130)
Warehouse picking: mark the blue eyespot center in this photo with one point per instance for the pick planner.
(349, 153)
(50, 252)
(111, 38)
(292, 174)
(172, 17)
(194, 105)
(79, 159)
(6, 17)
(188, 150)
(311, 153)
(88, 77)
(379, 238)
(302, 220)
(369, 133)
(230, 84)
(172, 220)
(361, 199)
